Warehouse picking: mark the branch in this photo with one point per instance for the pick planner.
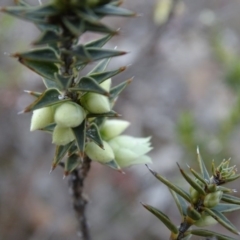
(76, 184)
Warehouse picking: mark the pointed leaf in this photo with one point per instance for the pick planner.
(93, 134)
(164, 218)
(107, 114)
(100, 67)
(48, 98)
(222, 220)
(113, 11)
(80, 135)
(191, 181)
(172, 186)
(39, 55)
(230, 199)
(48, 37)
(115, 91)
(197, 176)
(49, 83)
(72, 163)
(223, 207)
(208, 233)
(32, 93)
(99, 42)
(49, 128)
(88, 84)
(60, 152)
(100, 77)
(63, 82)
(113, 164)
(202, 167)
(75, 26)
(97, 27)
(45, 69)
(180, 202)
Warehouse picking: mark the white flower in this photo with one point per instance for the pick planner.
(95, 103)
(98, 154)
(69, 114)
(130, 151)
(113, 128)
(41, 118)
(62, 135)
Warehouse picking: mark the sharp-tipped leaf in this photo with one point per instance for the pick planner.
(115, 91)
(230, 199)
(80, 135)
(100, 67)
(197, 176)
(93, 134)
(208, 233)
(100, 77)
(49, 83)
(202, 167)
(75, 26)
(88, 84)
(48, 37)
(99, 27)
(62, 82)
(48, 98)
(180, 202)
(224, 207)
(164, 218)
(113, 164)
(99, 42)
(71, 164)
(191, 181)
(222, 220)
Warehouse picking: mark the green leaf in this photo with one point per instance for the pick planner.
(45, 69)
(21, 3)
(170, 185)
(223, 207)
(111, 10)
(192, 182)
(97, 27)
(48, 37)
(113, 164)
(80, 136)
(202, 167)
(60, 152)
(48, 98)
(115, 91)
(100, 67)
(46, 54)
(222, 220)
(32, 93)
(73, 161)
(99, 42)
(75, 26)
(100, 77)
(230, 199)
(197, 176)
(208, 233)
(49, 128)
(49, 83)
(107, 114)
(180, 202)
(164, 218)
(88, 84)
(93, 134)
(63, 82)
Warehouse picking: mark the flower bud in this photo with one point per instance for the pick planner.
(95, 103)
(106, 84)
(98, 154)
(62, 135)
(41, 118)
(130, 151)
(113, 128)
(69, 115)
(204, 221)
(194, 195)
(212, 199)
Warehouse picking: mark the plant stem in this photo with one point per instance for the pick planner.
(76, 184)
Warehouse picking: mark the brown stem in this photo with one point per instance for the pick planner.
(76, 184)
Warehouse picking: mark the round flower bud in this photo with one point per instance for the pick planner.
(95, 103)
(212, 199)
(113, 128)
(194, 195)
(41, 118)
(62, 135)
(98, 154)
(204, 221)
(69, 115)
(106, 84)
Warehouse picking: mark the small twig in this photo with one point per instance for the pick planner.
(76, 184)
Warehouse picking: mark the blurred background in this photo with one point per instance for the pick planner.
(186, 93)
